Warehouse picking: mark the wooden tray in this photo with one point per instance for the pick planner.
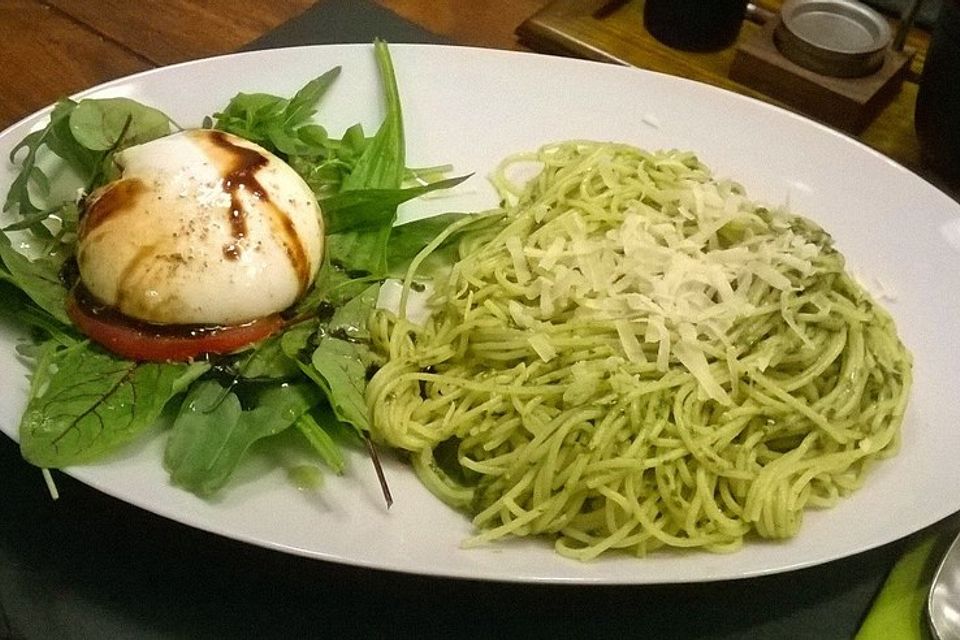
(599, 30)
(846, 103)
(591, 29)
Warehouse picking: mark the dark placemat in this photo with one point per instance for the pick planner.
(90, 566)
(338, 21)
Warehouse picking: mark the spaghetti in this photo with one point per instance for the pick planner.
(631, 354)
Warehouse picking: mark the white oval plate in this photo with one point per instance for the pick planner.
(471, 107)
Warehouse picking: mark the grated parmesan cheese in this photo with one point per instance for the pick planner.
(666, 275)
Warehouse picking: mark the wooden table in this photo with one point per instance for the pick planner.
(51, 48)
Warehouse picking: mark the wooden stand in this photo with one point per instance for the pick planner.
(846, 103)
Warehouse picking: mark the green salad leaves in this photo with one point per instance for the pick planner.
(86, 402)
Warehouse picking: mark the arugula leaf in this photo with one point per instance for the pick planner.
(382, 252)
(302, 105)
(322, 442)
(68, 213)
(367, 208)
(279, 124)
(352, 144)
(85, 403)
(19, 195)
(213, 430)
(358, 180)
(39, 279)
(85, 135)
(382, 164)
(18, 309)
(408, 239)
(323, 174)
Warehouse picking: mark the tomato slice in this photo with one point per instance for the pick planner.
(143, 341)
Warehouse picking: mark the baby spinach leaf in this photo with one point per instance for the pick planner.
(60, 140)
(213, 430)
(350, 320)
(333, 287)
(267, 359)
(85, 403)
(295, 340)
(338, 363)
(342, 368)
(362, 250)
(114, 123)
